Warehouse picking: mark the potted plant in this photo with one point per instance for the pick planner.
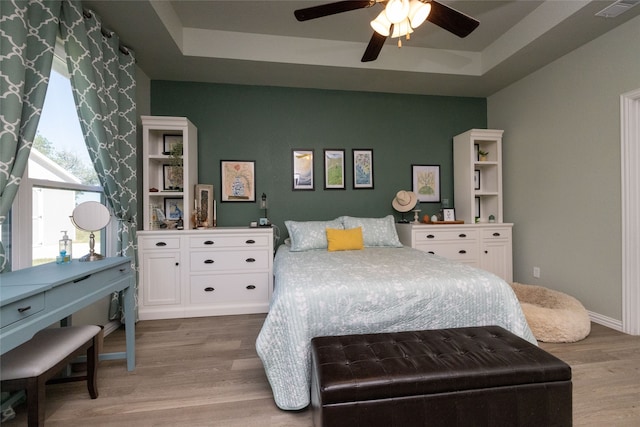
(482, 155)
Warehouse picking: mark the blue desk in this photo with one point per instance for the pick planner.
(33, 298)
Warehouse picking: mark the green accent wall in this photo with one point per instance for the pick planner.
(264, 124)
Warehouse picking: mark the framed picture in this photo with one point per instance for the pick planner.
(477, 208)
(477, 151)
(362, 168)
(174, 208)
(172, 178)
(448, 214)
(204, 203)
(476, 179)
(238, 181)
(334, 169)
(170, 141)
(426, 182)
(302, 169)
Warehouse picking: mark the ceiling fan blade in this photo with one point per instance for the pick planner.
(374, 47)
(451, 20)
(331, 9)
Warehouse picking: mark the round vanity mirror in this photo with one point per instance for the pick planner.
(91, 216)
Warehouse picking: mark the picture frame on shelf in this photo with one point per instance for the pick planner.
(238, 180)
(302, 169)
(476, 179)
(172, 178)
(174, 208)
(169, 142)
(448, 214)
(204, 198)
(477, 202)
(334, 169)
(362, 168)
(477, 151)
(425, 181)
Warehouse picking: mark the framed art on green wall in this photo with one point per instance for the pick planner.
(238, 181)
(302, 169)
(362, 168)
(334, 169)
(426, 182)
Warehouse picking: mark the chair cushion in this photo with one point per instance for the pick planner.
(47, 348)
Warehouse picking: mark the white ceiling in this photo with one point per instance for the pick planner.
(261, 43)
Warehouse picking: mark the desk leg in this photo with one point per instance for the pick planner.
(130, 325)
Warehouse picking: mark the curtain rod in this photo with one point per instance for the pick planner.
(106, 33)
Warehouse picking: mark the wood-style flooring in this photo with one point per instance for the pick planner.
(205, 372)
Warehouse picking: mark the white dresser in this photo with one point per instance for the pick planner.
(487, 246)
(193, 273)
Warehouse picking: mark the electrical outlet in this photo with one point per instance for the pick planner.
(536, 272)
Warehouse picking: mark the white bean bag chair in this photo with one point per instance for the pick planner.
(553, 316)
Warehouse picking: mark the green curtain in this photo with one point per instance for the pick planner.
(28, 32)
(103, 82)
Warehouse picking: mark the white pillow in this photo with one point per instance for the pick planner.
(308, 235)
(375, 231)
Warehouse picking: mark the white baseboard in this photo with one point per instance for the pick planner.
(606, 321)
(111, 327)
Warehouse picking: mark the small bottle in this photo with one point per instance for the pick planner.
(64, 248)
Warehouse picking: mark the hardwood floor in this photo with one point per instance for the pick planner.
(205, 372)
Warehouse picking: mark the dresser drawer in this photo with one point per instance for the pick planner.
(229, 260)
(215, 241)
(161, 243)
(459, 251)
(444, 235)
(22, 309)
(228, 288)
(496, 234)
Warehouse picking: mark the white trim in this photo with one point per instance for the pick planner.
(609, 322)
(630, 164)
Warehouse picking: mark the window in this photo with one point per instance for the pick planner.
(59, 176)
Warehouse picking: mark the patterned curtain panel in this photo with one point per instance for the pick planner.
(103, 81)
(27, 38)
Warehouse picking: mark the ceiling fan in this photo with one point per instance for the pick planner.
(398, 18)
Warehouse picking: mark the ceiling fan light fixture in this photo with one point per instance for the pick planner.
(397, 10)
(418, 12)
(381, 24)
(401, 29)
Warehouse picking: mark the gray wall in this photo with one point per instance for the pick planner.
(265, 123)
(562, 168)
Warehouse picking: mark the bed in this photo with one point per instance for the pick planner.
(381, 287)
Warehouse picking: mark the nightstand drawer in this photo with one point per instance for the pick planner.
(226, 288)
(444, 235)
(496, 234)
(229, 260)
(242, 241)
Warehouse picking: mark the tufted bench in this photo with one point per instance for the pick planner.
(29, 366)
(483, 376)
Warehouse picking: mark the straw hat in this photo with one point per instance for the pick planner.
(404, 201)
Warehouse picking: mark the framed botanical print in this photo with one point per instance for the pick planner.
(238, 181)
(334, 169)
(302, 169)
(426, 182)
(362, 168)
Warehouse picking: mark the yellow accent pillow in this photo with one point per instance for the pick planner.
(345, 240)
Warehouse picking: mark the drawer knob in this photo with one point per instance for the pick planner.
(208, 261)
(430, 236)
(250, 242)
(23, 309)
(462, 251)
(462, 235)
(251, 260)
(161, 244)
(209, 242)
(209, 289)
(431, 252)
(251, 287)
(496, 234)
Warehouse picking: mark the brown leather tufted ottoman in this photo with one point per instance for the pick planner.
(477, 376)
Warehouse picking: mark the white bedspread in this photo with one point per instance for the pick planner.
(372, 290)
